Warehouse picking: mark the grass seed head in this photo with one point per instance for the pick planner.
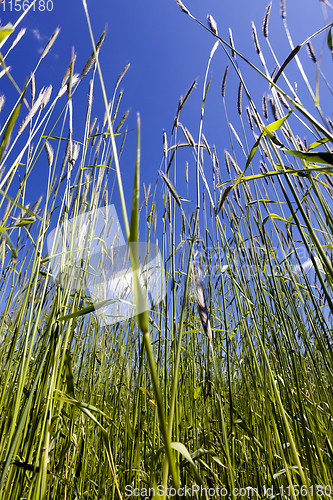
(92, 126)
(182, 6)
(265, 25)
(49, 152)
(249, 117)
(300, 143)
(91, 59)
(38, 104)
(330, 123)
(70, 116)
(274, 108)
(200, 300)
(189, 137)
(255, 38)
(217, 164)
(283, 101)
(46, 97)
(94, 135)
(264, 106)
(283, 9)
(239, 99)
(206, 144)
(212, 24)
(224, 81)
(75, 153)
(122, 121)
(311, 52)
(49, 44)
(18, 38)
(169, 206)
(2, 101)
(183, 223)
(227, 164)
(165, 144)
(33, 86)
(233, 53)
(255, 119)
(273, 72)
(121, 76)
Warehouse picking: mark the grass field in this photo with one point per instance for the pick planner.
(225, 383)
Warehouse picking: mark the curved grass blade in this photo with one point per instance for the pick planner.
(287, 61)
(5, 31)
(181, 448)
(321, 157)
(12, 120)
(10, 244)
(330, 40)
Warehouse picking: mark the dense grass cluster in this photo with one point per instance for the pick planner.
(225, 383)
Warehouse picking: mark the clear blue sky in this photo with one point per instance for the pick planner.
(166, 50)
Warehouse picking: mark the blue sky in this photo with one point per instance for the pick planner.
(166, 50)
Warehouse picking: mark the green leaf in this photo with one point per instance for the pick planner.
(10, 125)
(278, 123)
(210, 80)
(287, 61)
(87, 310)
(283, 471)
(69, 373)
(330, 40)
(318, 143)
(25, 221)
(12, 249)
(272, 127)
(320, 157)
(197, 392)
(145, 391)
(273, 216)
(263, 200)
(274, 139)
(183, 451)
(199, 453)
(225, 194)
(16, 203)
(62, 396)
(179, 246)
(5, 31)
(218, 461)
(253, 152)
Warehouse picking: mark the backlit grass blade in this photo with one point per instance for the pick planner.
(10, 125)
(5, 31)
